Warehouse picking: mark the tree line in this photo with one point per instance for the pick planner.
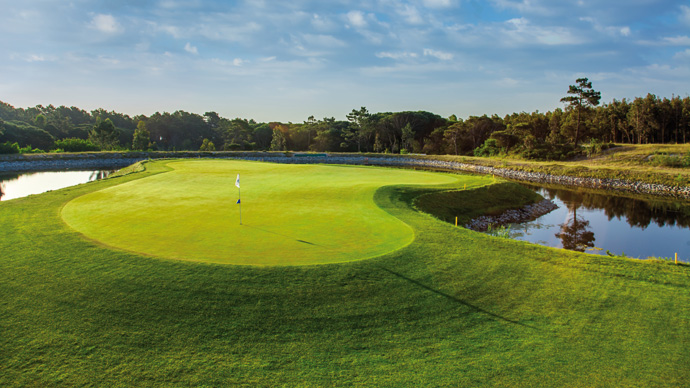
(582, 125)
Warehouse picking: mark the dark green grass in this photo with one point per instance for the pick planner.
(468, 204)
(455, 308)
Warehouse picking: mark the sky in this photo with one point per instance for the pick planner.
(287, 60)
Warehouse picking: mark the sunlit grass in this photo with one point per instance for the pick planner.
(453, 308)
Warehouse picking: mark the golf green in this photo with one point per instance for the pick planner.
(291, 214)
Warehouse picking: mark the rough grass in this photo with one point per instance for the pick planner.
(454, 308)
(633, 163)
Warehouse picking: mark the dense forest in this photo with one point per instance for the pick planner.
(582, 125)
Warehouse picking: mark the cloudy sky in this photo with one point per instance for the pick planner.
(285, 60)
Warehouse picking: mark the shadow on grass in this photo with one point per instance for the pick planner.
(457, 300)
(285, 235)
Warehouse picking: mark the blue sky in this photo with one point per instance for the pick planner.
(287, 60)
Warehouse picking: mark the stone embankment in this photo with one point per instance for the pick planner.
(16, 163)
(527, 213)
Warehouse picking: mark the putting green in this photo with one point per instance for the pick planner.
(291, 214)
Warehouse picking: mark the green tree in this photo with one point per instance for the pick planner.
(142, 137)
(583, 97)
(452, 136)
(104, 134)
(361, 129)
(207, 145)
(278, 142)
(407, 138)
(40, 120)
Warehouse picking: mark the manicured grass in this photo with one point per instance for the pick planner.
(453, 308)
(292, 214)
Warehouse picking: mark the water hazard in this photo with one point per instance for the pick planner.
(597, 223)
(17, 185)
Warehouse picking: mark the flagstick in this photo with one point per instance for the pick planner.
(239, 198)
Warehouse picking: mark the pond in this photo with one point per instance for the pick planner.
(597, 223)
(17, 185)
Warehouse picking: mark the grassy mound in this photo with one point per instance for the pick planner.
(292, 214)
(468, 204)
(453, 308)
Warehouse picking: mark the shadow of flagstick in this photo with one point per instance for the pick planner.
(286, 236)
(462, 302)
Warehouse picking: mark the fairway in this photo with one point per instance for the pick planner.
(291, 214)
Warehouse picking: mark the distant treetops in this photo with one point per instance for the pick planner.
(584, 124)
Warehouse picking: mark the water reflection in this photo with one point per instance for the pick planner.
(637, 212)
(17, 185)
(624, 225)
(574, 234)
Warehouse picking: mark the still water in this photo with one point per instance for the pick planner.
(595, 223)
(17, 185)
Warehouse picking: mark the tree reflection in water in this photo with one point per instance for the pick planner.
(575, 235)
(637, 212)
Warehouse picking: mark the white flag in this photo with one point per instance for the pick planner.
(237, 182)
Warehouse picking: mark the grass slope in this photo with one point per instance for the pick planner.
(468, 204)
(628, 162)
(292, 214)
(454, 308)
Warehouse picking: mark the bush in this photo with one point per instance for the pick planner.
(674, 161)
(76, 145)
(9, 148)
(29, 150)
(489, 148)
(27, 135)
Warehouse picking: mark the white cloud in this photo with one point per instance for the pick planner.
(506, 82)
(410, 14)
(170, 30)
(609, 30)
(400, 55)
(685, 14)
(668, 41)
(520, 30)
(322, 23)
(682, 55)
(228, 31)
(356, 19)
(36, 58)
(238, 62)
(522, 6)
(677, 40)
(437, 3)
(438, 54)
(105, 23)
(323, 40)
(191, 49)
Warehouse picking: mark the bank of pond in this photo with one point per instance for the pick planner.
(565, 217)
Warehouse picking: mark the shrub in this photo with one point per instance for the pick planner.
(76, 145)
(674, 161)
(207, 145)
(29, 150)
(489, 148)
(26, 135)
(9, 148)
